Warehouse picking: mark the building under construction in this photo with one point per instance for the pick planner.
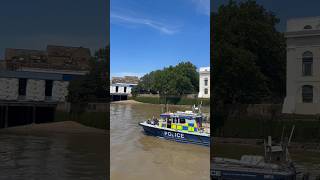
(34, 83)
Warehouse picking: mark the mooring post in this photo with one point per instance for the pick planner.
(6, 116)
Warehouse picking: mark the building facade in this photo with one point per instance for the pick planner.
(204, 82)
(121, 88)
(32, 87)
(303, 66)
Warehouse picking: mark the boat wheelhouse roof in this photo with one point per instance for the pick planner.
(180, 114)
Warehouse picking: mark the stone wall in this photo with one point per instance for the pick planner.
(35, 90)
(8, 89)
(60, 90)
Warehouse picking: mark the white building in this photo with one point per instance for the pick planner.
(303, 66)
(204, 82)
(121, 88)
(32, 86)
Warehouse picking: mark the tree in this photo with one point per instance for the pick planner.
(92, 86)
(247, 48)
(248, 58)
(171, 81)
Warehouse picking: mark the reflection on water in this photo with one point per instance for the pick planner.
(135, 156)
(52, 157)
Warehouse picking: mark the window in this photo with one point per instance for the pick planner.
(307, 94)
(22, 87)
(307, 60)
(48, 88)
(206, 82)
(307, 27)
(124, 89)
(117, 88)
(205, 91)
(182, 120)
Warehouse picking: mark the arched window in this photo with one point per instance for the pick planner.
(307, 27)
(307, 61)
(307, 94)
(205, 91)
(206, 81)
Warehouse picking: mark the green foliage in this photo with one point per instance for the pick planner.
(254, 127)
(173, 80)
(248, 55)
(248, 58)
(172, 100)
(93, 85)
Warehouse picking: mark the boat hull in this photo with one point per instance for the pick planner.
(218, 174)
(177, 136)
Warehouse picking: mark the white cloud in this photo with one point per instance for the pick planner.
(162, 27)
(203, 6)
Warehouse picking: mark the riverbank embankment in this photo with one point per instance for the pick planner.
(64, 127)
(300, 146)
(171, 100)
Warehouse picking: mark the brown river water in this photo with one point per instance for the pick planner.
(33, 155)
(135, 156)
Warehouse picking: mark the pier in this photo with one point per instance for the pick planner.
(22, 113)
(118, 96)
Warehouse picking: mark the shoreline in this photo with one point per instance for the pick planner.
(54, 128)
(307, 146)
(131, 101)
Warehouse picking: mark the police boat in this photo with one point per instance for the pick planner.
(276, 165)
(181, 126)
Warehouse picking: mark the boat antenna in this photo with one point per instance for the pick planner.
(286, 149)
(292, 130)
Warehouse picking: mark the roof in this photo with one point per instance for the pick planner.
(31, 75)
(26, 54)
(67, 51)
(125, 79)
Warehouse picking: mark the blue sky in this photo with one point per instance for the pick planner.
(148, 35)
(33, 24)
(283, 9)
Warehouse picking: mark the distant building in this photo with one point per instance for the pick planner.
(32, 87)
(303, 66)
(121, 87)
(61, 59)
(204, 82)
(34, 84)
(41, 75)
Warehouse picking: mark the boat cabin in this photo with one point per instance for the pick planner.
(184, 121)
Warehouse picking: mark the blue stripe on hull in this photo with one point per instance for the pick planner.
(232, 175)
(177, 136)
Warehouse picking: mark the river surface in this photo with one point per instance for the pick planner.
(135, 156)
(56, 156)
